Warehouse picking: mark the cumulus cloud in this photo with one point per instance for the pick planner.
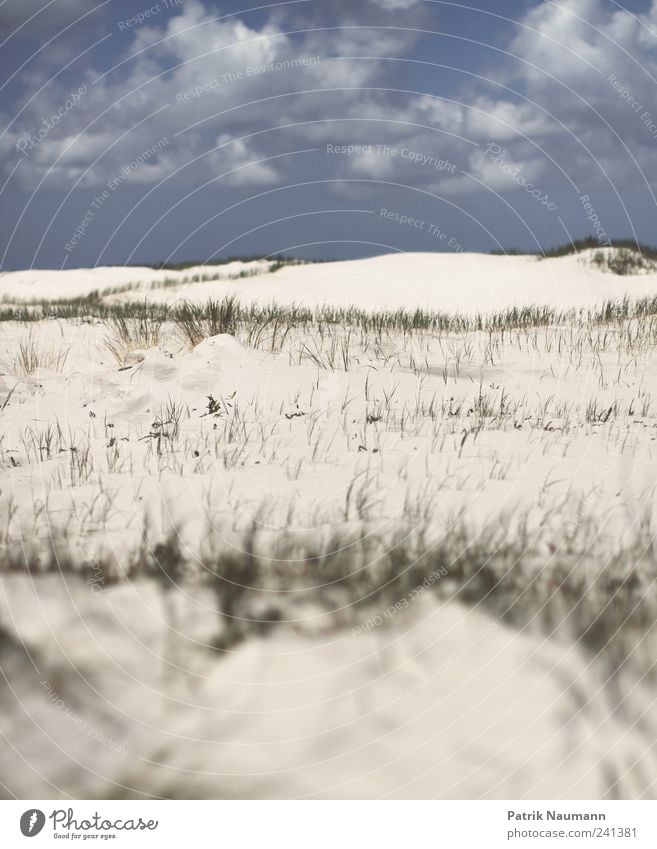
(204, 72)
(583, 61)
(226, 92)
(573, 99)
(240, 163)
(395, 5)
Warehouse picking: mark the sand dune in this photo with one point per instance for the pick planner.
(465, 282)
(105, 696)
(202, 539)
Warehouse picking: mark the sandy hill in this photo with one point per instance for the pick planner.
(465, 282)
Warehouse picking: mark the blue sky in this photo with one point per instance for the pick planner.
(168, 131)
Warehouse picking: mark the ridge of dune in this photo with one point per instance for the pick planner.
(446, 282)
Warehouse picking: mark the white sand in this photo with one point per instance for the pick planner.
(444, 282)
(511, 432)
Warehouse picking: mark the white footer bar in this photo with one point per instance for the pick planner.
(328, 824)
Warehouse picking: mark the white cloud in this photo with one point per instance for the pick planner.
(198, 66)
(395, 5)
(565, 52)
(236, 156)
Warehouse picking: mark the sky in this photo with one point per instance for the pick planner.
(147, 131)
